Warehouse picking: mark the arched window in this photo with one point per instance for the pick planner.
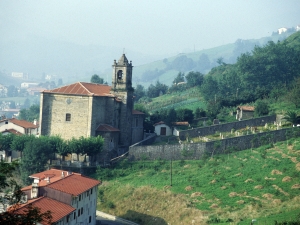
(120, 74)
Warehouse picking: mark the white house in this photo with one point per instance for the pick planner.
(71, 197)
(16, 126)
(282, 30)
(162, 129)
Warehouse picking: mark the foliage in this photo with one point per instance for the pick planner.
(261, 108)
(96, 79)
(179, 78)
(292, 117)
(35, 156)
(139, 92)
(31, 114)
(156, 90)
(194, 79)
(31, 214)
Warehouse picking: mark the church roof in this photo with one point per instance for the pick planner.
(83, 88)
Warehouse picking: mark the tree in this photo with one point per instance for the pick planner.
(96, 79)
(184, 115)
(35, 156)
(5, 142)
(292, 117)
(30, 114)
(179, 78)
(75, 146)
(199, 113)
(92, 145)
(30, 215)
(139, 92)
(194, 79)
(261, 108)
(294, 94)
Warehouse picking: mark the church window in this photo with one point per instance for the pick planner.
(68, 117)
(120, 73)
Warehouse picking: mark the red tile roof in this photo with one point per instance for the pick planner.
(135, 112)
(184, 123)
(106, 128)
(159, 123)
(82, 88)
(58, 209)
(74, 184)
(246, 108)
(12, 131)
(23, 123)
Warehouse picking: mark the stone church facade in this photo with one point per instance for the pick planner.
(87, 109)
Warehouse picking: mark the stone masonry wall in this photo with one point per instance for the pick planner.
(196, 150)
(204, 131)
(54, 110)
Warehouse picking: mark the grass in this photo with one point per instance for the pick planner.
(251, 184)
(189, 99)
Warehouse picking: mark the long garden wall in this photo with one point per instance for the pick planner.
(198, 150)
(204, 131)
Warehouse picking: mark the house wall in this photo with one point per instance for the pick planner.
(244, 115)
(54, 108)
(137, 128)
(158, 127)
(87, 204)
(197, 150)
(204, 131)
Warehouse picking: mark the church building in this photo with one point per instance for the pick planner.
(88, 109)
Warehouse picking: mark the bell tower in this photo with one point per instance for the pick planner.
(122, 89)
(122, 75)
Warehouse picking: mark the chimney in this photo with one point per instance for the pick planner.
(62, 174)
(34, 122)
(48, 180)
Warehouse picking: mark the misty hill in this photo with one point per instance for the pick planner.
(203, 61)
(39, 56)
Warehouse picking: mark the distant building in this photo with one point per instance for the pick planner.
(28, 85)
(298, 27)
(71, 197)
(282, 30)
(19, 75)
(244, 112)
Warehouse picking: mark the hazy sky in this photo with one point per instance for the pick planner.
(151, 27)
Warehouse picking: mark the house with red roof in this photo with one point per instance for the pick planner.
(89, 109)
(19, 127)
(71, 197)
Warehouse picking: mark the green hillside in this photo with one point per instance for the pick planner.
(161, 70)
(261, 184)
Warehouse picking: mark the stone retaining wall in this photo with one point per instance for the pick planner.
(226, 127)
(197, 150)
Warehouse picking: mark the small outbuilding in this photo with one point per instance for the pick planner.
(244, 112)
(162, 129)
